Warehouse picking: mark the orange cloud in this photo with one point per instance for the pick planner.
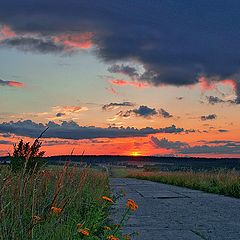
(69, 109)
(81, 41)
(66, 112)
(103, 146)
(74, 109)
(121, 82)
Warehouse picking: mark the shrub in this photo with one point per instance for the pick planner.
(27, 157)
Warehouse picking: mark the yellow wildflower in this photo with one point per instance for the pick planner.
(107, 199)
(107, 228)
(132, 205)
(56, 210)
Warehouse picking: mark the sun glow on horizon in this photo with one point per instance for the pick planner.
(135, 154)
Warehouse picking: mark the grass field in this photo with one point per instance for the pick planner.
(221, 182)
(55, 203)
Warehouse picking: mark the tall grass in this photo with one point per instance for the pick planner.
(221, 182)
(54, 203)
(58, 203)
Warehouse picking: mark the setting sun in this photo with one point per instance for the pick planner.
(135, 154)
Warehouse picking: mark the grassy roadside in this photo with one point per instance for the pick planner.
(56, 203)
(53, 203)
(222, 182)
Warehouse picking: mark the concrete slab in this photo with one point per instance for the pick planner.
(160, 194)
(170, 212)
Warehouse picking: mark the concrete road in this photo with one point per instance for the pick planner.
(174, 213)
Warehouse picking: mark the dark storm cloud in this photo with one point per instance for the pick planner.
(223, 130)
(111, 106)
(5, 135)
(176, 41)
(72, 142)
(228, 142)
(146, 112)
(11, 83)
(142, 111)
(57, 142)
(208, 117)
(124, 69)
(165, 143)
(165, 114)
(4, 142)
(179, 98)
(71, 130)
(60, 114)
(219, 147)
(206, 149)
(4, 83)
(34, 45)
(215, 100)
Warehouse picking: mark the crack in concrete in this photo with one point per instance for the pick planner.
(199, 234)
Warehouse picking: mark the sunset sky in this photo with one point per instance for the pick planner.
(121, 77)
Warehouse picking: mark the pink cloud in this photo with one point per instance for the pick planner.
(112, 90)
(122, 82)
(81, 41)
(205, 84)
(76, 41)
(11, 84)
(230, 82)
(6, 32)
(15, 84)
